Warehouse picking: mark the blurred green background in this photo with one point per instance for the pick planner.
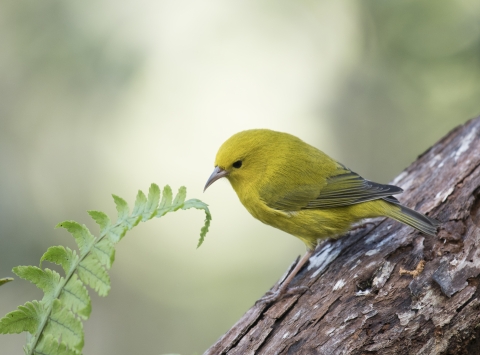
(107, 97)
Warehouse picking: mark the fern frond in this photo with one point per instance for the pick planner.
(104, 251)
(49, 345)
(92, 273)
(140, 204)
(24, 319)
(199, 205)
(65, 257)
(55, 322)
(63, 324)
(46, 280)
(152, 202)
(82, 235)
(124, 217)
(101, 219)
(166, 205)
(122, 208)
(75, 296)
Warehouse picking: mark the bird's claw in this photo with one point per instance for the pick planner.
(270, 297)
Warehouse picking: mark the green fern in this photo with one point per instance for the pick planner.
(55, 323)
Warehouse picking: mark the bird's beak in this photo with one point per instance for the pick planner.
(218, 173)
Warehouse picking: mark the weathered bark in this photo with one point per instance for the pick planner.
(360, 302)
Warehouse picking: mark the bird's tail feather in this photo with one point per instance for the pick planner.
(415, 219)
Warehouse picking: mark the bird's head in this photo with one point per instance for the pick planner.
(243, 158)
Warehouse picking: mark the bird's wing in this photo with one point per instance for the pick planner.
(342, 189)
(349, 188)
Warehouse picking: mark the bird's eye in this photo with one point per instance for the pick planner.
(237, 164)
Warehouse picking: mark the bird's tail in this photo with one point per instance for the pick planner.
(415, 219)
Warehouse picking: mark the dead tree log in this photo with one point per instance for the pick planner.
(362, 301)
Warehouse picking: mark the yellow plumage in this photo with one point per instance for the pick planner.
(291, 185)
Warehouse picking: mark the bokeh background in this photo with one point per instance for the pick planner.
(101, 97)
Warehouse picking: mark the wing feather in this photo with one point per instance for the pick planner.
(343, 189)
(350, 188)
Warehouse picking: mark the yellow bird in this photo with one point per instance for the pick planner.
(295, 187)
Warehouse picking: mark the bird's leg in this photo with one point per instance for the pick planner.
(276, 294)
(284, 276)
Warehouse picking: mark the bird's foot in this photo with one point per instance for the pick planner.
(280, 290)
(275, 295)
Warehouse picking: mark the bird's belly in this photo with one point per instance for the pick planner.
(308, 225)
(314, 225)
